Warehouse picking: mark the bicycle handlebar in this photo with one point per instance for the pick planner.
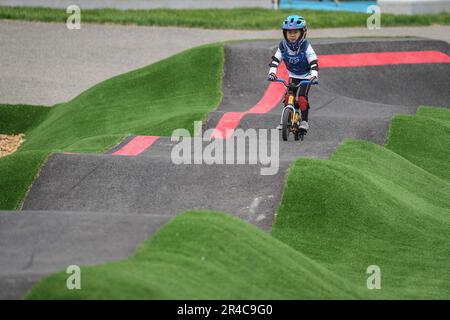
(296, 85)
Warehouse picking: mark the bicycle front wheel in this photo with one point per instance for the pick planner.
(286, 127)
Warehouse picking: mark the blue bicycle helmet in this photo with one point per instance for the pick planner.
(295, 22)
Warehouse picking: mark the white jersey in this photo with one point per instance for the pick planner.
(298, 67)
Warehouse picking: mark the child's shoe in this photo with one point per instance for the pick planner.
(304, 126)
(279, 127)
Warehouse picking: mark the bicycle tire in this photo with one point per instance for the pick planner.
(286, 127)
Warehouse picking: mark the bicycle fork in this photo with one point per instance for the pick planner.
(294, 115)
(284, 110)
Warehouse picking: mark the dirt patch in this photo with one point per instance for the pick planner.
(9, 144)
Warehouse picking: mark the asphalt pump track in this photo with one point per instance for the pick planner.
(93, 208)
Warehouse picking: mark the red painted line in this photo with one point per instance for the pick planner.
(227, 124)
(381, 58)
(230, 120)
(273, 94)
(136, 146)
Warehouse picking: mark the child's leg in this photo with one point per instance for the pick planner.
(301, 94)
(303, 101)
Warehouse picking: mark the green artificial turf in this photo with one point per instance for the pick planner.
(154, 100)
(427, 149)
(204, 255)
(366, 205)
(17, 172)
(15, 119)
(237, 18)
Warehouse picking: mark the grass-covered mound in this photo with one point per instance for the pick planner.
(15, 119)
(204, 255)
(365, 206)
(154, 100)
(412, 138)
(368, 205)
(17, 171)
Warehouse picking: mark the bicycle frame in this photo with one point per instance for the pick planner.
(296, 115)
(291, 100)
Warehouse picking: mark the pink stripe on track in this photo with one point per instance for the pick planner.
(230, 120)
(381, 58)
(136, 146)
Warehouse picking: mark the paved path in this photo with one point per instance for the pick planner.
(45, 63)
(34, 243)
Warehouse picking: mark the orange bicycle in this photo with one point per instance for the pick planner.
(291, 116)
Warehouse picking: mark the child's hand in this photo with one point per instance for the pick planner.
(271, 77)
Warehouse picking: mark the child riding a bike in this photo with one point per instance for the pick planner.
(300, 60)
